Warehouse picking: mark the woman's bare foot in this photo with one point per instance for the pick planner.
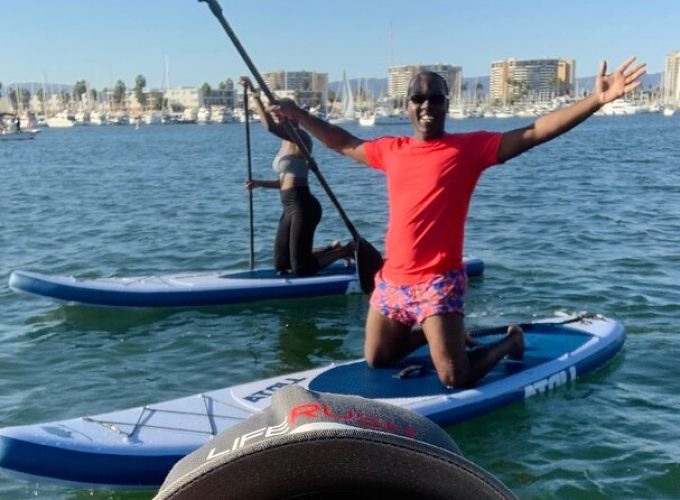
(334, 245)
(348, 252)
(517, 335)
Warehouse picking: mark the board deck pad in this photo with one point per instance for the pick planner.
(359, 379)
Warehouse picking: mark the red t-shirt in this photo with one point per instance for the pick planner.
(429, 186)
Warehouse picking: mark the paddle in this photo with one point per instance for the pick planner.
(250, 178)
(368, 259)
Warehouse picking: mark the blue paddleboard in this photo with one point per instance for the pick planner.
(138, 446)
(195, 289)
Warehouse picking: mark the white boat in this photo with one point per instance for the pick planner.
(347, 113)
(619, 107)
(82, 117)
(61, 120)
(240, 116)
(98, 118)
(457, 112)
(152, 117)
(188, 116)
(203, 115)
(504, 113)
(118, 118)
(394, 119)
(367, 119)
(221, 115)
(29, 121)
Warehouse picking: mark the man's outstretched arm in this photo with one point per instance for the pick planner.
(332, 136)
(607, 88)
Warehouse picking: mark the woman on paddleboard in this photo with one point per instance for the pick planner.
(293, 248)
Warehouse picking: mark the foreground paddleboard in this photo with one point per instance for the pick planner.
(196, 289)
(138, 446)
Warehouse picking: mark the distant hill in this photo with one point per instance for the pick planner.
(650, 81)
(50, 87)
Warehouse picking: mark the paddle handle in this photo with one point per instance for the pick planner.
(216, 9)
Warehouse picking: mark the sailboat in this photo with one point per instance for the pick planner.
(347, 114)
(671, 108)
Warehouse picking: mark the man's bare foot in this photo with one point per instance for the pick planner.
(517, 335)
(470, 341)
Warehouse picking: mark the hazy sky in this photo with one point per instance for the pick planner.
(104, 41)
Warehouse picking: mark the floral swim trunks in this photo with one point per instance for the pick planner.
(409, 304)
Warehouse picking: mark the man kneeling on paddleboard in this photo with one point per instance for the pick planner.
(430, 179)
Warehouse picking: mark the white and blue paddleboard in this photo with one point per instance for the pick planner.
(196, 289)
(138, 446)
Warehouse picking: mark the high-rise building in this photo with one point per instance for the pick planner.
(398, 78)
(308, 88)
(531, 80)
(671, 79)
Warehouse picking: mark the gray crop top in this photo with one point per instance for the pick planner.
(292, 165)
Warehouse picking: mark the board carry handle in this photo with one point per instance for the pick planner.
(368, 259)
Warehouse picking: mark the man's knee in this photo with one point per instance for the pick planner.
(376, 358)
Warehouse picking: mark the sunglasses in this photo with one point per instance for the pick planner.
(431, 98)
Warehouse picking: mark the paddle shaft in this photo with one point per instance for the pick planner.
(250, 178)
(290, 130)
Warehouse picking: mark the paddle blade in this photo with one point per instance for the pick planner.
(369, 261)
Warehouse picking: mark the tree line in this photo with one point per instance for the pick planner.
(20, 97)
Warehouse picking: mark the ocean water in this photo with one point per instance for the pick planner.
(588, 222)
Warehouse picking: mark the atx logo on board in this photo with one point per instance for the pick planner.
(269, 391)
(550, 383)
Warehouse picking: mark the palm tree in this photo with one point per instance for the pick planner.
(227, 84)
(557, 82)
(79, 89)
(24, 97)
(140, 83)
(479, 91)
(119, 93)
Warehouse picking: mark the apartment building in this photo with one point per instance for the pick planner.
(398, 78)
(671, 79)
(307, 88)
(533, 80)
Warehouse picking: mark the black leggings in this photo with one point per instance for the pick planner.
(295, 235)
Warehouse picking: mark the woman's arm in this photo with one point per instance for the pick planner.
(258, 183)
(266, 119)
(332, 136)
